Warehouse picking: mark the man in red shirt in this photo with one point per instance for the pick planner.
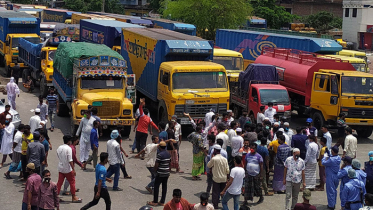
(142, 127)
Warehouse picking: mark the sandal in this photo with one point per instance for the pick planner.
(77, 201)
(161, 204)
(66, 193)
(151, 203)
(128, 177)
(319, 189)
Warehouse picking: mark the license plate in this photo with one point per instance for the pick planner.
(281, 107)
(189, 102)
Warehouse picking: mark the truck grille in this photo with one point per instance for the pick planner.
(108, 109)
(200, 109)
(360, 113)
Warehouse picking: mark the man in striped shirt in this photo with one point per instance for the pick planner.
(52, 101)
(162, 169)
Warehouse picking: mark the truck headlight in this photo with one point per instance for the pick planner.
(126, 112)
(82, 112)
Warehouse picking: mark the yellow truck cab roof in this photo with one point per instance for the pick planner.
(347, 73)
(349, 59)
(23, 35)
(192, 65)
(226, 53)
(351, 53)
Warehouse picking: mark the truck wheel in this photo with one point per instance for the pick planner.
(8, 71)
(318, 120)
(25, 74)
(163, 115)
(364, 132)
(43, 87)
(237, 111)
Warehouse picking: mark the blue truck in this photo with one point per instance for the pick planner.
(173, 26)
(107, 32)
(57, 15)
(14, 26)
(251, 43)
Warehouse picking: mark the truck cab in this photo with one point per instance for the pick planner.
(231, 60)
(192, 87)
(47, 56)
(356, 54)
(358, 63)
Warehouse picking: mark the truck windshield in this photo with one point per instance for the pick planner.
(357, 85)
(274, 96)
(34, 40)
(359, 66)
(51, 55)
(230, 63)
(102, 82)
(199, 80)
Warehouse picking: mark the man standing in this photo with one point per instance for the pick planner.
(293, 176)
(17, 154)
(36, 152)
(208, 117)
(260, 116)
(231, 133)
(221, 129)
(7, 140)
(198, 152)
(35, 121)
(299, 141)
(162, 170)
(311, 130)
(48, 197)
(306, 202)
(234, 185)
(352, 196)
(263, 151)
(16, 70)
(327, 135)
(237, 142)
(311, 163)
(12, 91)
(270, 112)
(85, 128)
(30, 195)
(52, 101)
(100, 189)
(331, 163)
(360, 174)
(254, 174)
(177, 202)
(115, 159)
(66, 168)
(220, 169)
(94, 143)
(350, 144)
(321, 166)
(142, 127)
(343, 173)
(288, 132)
(43, 109)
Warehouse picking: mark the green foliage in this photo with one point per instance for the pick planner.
(323, 21)
(157, 6)
(111, 6)
(22, 1)
(275, 15)
(209, 15)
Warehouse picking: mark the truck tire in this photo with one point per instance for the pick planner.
(25, 74)
(63, 109)
(318, 119)
(237, 111)
(364, 132)
(162, 114)
(43, 87)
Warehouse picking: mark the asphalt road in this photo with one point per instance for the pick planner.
(134, 195)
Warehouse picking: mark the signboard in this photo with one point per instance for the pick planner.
(370, 28)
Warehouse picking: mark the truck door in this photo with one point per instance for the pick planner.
(164, 85)
(131, 88)
(324, 96)
(253, 101)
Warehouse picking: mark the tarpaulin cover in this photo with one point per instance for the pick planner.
(32, 48)
(68, 51)
(257, 72)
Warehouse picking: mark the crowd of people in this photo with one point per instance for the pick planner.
(240, 157)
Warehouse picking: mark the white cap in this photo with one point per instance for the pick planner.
(229, 111)
(238, 129)
(8, 116)
(276, 123)
(281, 129)
(296, 150)
(217, 147)
(286, 123)
(266, 118)
(37, 110)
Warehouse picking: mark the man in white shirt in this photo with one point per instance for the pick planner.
(66, 167)
(222, 135)
(17, 151)
(270, 112)
(260, 116)
(151, 152)
(234, 185)
(311, 163)
(288, 132)
(85, 128)
(7, 138)
(115, 159)
(237, 142)
(208, 116)
(35, 121)
(350, 144)
(328, 136)
(230, 117)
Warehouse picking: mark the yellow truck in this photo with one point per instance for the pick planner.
(76, 17)
(92, 74)
(358, 63)
(173, 70)
(355, 54)
(14, 26)
(231, 60)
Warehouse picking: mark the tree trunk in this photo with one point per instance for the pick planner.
(103, 6)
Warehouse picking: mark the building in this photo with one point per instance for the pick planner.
(135, 7)
(309, 7)
(358, 22)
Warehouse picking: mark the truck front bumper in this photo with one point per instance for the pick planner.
(113, 122)
(359, 121)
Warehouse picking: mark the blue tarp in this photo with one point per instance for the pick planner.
(257, 72)
(34, 49)
(183, 26)
(141, 22)
(187, 46)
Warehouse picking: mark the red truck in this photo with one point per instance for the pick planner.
(257, 86)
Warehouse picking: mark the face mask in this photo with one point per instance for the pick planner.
(7, 122)
(85, 116)
(371, 159)
(252, 150)
(296, 157)
(204, 203)
(286, 129)
(267, 127)
(270, 108)
(47, 180)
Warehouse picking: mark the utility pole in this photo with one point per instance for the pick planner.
(103, 6)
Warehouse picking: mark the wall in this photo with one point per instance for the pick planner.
(303, 8)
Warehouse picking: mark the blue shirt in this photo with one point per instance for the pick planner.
(101, 175)
(45, 143)
(299, 141)
(361, 175)
(163, 136)
(343, 175)
(94, 138)
(263, 151)
(52, 101)
(369, 170)
(332, 165)
(351, 191)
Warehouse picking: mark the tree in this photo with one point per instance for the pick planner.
(323, 21)
(22, 1)
(111, 6)
(156, 6)
(209, 15)
(275, 15)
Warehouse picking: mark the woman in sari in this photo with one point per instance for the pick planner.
(198, 153)
(283, 152)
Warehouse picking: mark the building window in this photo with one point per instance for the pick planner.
(354, 12)
(347, 12)
(289, 10)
